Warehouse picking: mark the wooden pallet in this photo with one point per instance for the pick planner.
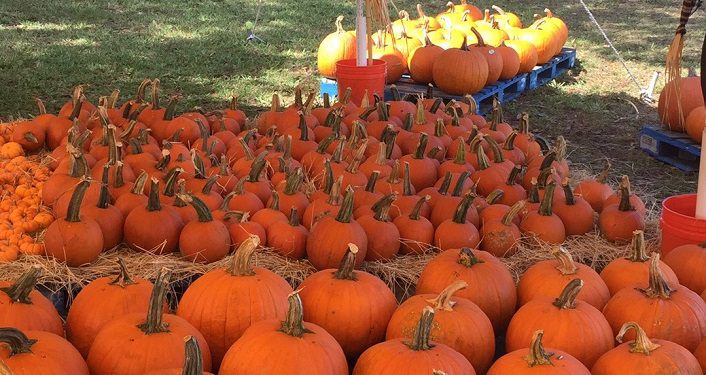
(558, 65)
(673, 148)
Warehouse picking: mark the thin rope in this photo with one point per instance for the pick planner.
(643, 92)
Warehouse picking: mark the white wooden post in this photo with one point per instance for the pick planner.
(361, 35)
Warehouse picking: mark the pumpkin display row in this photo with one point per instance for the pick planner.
(253, 322)
(461, 50)
(389, 177)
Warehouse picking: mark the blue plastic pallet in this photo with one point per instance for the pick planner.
(558, 65)
(673, 148)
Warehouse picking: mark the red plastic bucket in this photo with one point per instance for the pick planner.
(679, 226)
(361, 78)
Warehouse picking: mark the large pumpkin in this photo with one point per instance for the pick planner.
(419, 356)
(346, 302)
(23, 307)
(261, 293)
(492, 57)
(646, 357)
(673, 108)
(527, 53)
(134, 344)
(547, 278)
(460, 71)
(536, 360)
(543, 40)
(287, 347)
(687, 261)
(589, 334)
(497, 296)
(458, 323)
(339, 45)
(666, 312)
(103, 300)
(38, 352)
(421, 62)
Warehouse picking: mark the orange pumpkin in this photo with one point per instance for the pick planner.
(459, 71)
(527, 53)
(421, 62)
(695, 123)
(38, 352)
(23, 307)
(193, 362)
(492, 57)
(685, 261)
(673, 110)
(339, 45)
(537, 360)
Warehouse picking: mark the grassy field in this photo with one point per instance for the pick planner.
(198, 48)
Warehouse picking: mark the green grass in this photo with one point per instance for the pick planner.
(198, 49)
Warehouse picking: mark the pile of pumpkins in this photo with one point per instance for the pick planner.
(461, 50)
(391, 177)
(562, 318)
(682, 109)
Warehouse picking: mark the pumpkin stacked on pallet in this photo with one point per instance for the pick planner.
(461, 50)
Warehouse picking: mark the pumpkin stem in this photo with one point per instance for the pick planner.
(445, 184)
(570, 199)
(346, 269)
(274, 202)
(293, 217)
(483, 162)
(509, 144)
(537, 356)
(293, 324)
(545, 208)
(625, 193)
(467, 258)
(494, 196)
(512, 178)
(549, 158)
(257, 166)
(567, 265)
(293, 182)
(72, 214)
(123, 279)
(462, 209)
(603, 176)
(381, 208)
(416, 211)
(421, 338)
(460, 158)
(638, 253)
(23, 286)
(203, 212)
(171, 179)
(104, 197)
(658, 287)
(193, 359)
(138, 187)
(241, 265)
(567, 298)
(406, 181)
(119, 180)
(17, 341)
(154, 323)
(421, 146)
(533, 196)
(153, 203)
(460, 184)
(513, 212)
(642, 343)
(345, 213)
(443, 300)
(372, 181)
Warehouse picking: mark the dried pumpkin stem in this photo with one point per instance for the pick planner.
(154, 323)
(346, 269)
(537, 356)
(494, 196)
(462, 209)
(642, 343)
(513, 212)
(514, 173)
(421, 338)
(625, 193)
(445, 184)
(345, 213)
(123, 279)
(545, 208)
(566, 262)
(17, 341)
(74, 210)
(241, 265)
(483, 161)
(443, 300)
(293, 324)
(104, 196)
(23, 286)
(372, 181)
(416, 211)
(638, 252)
(138, 187)
(202, 211)
(467, 258)
(460, 183)
(406, 181)
(657, 287)
(193, 359)
(381, 208)
(567, 298)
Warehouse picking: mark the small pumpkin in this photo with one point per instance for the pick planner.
(501, 237)
(203, 240)
(38, 352)
(537, 360)
(543, 224)
(416, 231)
(288, 238)
(596, 190)
(618, 221)
(25, 308)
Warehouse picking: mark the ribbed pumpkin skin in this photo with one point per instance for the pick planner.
(328, 241)
(690, 98)
(40, 315)
(527, 53)
(700, 354)
(543, 41)
(492, 286)
(263, 349)
(339, 45)
(459, 72)
(466, 329)
(680, 319)
(394, 357)
(210, 304)
(122, 348)
(624, 273)
(511, 61)
(544, 280)
(589, 337)
(695, 123)
(99, 303)
(50, 355)
(421, 63)
(686, 262)
(515, 363)
(346, 308)
(668, 359)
